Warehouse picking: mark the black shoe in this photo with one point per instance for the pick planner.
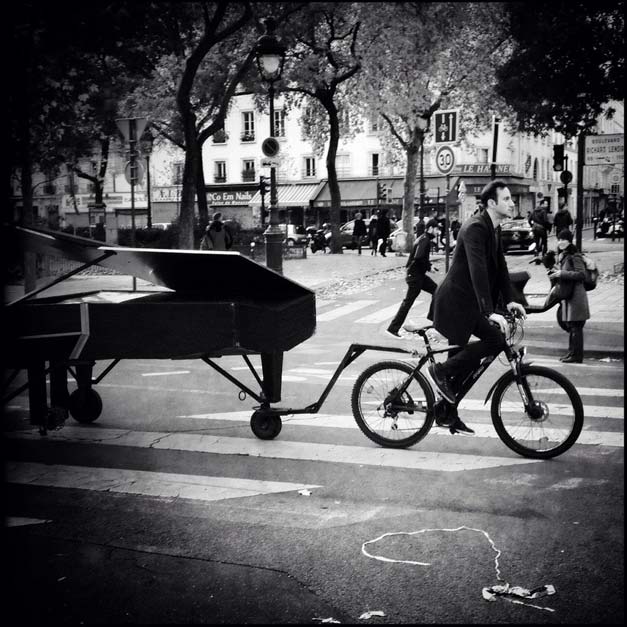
(441, 383)
(571, 359)
(566, 356)
(393, 334)
(459, 427)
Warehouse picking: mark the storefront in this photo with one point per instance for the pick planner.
(293, 203)
(233, 201)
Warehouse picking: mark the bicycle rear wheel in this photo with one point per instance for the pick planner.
(555, 421)
(384, 416)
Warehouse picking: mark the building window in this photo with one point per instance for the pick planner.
(374, 123)
(220, 136)
(177, 173)
(248, 172)
(50, 188)
(279, 123)
(310, 167)
(535, 169)
(219, 172)
(615, 188)
(248, 126)
(343, 165)
(483, 155)
(374, 164)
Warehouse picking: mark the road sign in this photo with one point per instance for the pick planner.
(270, 163)
(270, 147)
(446, 126)
(445, 159)
(604, 149)
(566, 177)
(139, 172)
(125, 124)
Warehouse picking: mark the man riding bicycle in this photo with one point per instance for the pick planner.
(465, 302)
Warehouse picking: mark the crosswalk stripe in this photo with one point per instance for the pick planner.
(381, 315)
(371, 455)
(339, 421)
(142, 482)
(338, 312)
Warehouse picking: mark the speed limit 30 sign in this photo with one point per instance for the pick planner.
(445, 159)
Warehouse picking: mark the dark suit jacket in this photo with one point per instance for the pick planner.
(477, 277)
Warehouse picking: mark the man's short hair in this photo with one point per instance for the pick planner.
(490, 191)
(217, 216)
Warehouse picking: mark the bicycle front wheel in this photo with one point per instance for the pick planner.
(387, 417)
(553, 422)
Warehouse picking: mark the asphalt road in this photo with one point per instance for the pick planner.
(168, 509)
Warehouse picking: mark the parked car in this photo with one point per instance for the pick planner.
(295, 234)
(397, 236)
(517, 234)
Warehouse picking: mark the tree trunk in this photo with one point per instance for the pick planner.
(409, 192)
(190, 179)
(201, 192)
(334, 186)
(102, 172)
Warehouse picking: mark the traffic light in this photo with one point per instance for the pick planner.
(382, 193)
(558, 157)
(263, 185)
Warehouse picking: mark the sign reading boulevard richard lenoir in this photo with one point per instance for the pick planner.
(604, 149)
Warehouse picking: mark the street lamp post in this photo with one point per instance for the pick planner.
(270, 55)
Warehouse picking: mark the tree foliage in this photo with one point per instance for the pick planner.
(567, 61)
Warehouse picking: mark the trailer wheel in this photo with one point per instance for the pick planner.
(265, 426)
(85, 405)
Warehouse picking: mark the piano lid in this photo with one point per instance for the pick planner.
(215, 275)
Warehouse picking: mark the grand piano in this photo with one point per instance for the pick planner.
(211, 304)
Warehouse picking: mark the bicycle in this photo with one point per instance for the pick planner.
(536, 411)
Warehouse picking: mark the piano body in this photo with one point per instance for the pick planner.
(212, 304)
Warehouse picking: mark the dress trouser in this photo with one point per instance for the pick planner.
(492, 342)
(540, 239)
(414, 288)
(575, 339)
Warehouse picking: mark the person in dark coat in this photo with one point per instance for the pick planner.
(417, 265)
(359, 231)
(540, 227)
(562, 220)
(372, 235)
(383, 230)
(217, 235)
(575, 308)
(465, 302)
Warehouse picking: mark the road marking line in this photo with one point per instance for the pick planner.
(371, 455)
(20, 521)
(344, 310)
(142, 482)
(339, 421)
(381, 315)
(162, 374)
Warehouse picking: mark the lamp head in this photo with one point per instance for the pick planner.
(269, 53)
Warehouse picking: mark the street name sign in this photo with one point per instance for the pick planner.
(445, 159)
(270, 163)
(604, 149)
(446, 126)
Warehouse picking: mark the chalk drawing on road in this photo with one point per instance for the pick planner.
(503, 589)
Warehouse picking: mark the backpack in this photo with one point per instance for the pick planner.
(592, 272)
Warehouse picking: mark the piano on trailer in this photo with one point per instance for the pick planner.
(212, 304)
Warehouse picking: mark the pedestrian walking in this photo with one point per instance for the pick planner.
(562, 220)
(417, 265)
(383, 230)
(435, 223)
(540, 225)
(575, 308)
(372, 235)
(359, 231)
(217, 235)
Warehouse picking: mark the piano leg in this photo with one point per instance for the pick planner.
(59, 396)
(37, 394)
(272, 369)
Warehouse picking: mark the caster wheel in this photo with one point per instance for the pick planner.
(85, 405)
(265, 426)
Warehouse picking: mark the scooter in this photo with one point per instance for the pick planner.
(320, 240)
(609, 227)
(520, 279)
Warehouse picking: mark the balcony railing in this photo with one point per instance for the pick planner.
(248, 176)
(374, 170)
(248, 137)
(50, 189)
(219, 179)
(220, 137)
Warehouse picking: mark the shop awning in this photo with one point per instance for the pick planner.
(517, 185)
(291, 195)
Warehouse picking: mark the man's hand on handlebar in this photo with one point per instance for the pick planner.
(517, 309)
(500, 321)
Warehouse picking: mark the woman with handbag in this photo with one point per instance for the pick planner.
(575, 309)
